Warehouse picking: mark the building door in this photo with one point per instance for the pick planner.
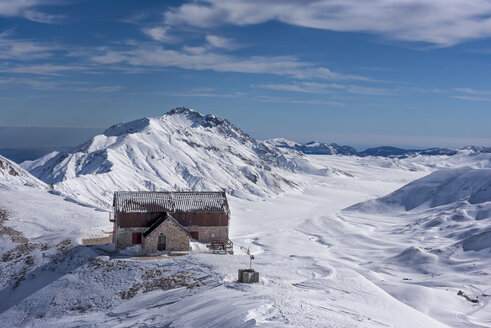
(194, 235)
(161, 244)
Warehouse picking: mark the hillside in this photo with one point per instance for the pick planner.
(435, 234)
(442, 187)
(14, 174)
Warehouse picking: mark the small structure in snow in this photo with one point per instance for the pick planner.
(169, 220)
(248, 275)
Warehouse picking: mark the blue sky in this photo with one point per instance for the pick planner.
(404, 73)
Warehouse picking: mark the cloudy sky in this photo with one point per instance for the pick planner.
(381, 72)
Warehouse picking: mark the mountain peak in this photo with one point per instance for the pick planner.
(191, 118)
(184, 111)
(208, 120)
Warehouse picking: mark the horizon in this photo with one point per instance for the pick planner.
(309, 72)
(31, 142)
(47, 138)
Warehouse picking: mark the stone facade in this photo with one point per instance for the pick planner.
(177, 238)
(124, 236)
(210, 233)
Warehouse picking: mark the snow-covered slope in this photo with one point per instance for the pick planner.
(435, 233)
(453, 205)
(182, 150)
(13, 173)
(442, 187)
(40, 212)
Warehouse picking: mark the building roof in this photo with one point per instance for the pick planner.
(174, 201)
(161, 220)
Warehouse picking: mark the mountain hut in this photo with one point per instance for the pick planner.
(169, 220)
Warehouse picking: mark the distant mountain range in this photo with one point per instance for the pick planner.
(314, 147)
(319, 148)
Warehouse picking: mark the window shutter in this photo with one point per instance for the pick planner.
(136, 238)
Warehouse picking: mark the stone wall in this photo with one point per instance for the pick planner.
(125, 236)
(176, 238)
(179, 241)
(210, 233)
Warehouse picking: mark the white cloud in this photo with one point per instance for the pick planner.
(198, 94)
(135, 18)
(16, 7)
(103, 89)
(13, 49)
(221, 42)
(471, 98)
(37, 16)
(33, 84)
(441, 22)
(270, 99)
(473, 91)
(44, 69)
(44, 84)
(472, 94)
(25, 9)
(325, 88)
(194, 50)
(208, 60)
(159, 33)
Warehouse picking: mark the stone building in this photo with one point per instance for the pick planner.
(169, 220)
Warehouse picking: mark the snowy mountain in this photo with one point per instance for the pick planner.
(313, 147)
(387, 151)
(320, 148)
(182, 150)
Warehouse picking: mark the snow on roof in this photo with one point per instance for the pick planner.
(170, 201)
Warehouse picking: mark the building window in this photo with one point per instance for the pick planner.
(136, 238)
